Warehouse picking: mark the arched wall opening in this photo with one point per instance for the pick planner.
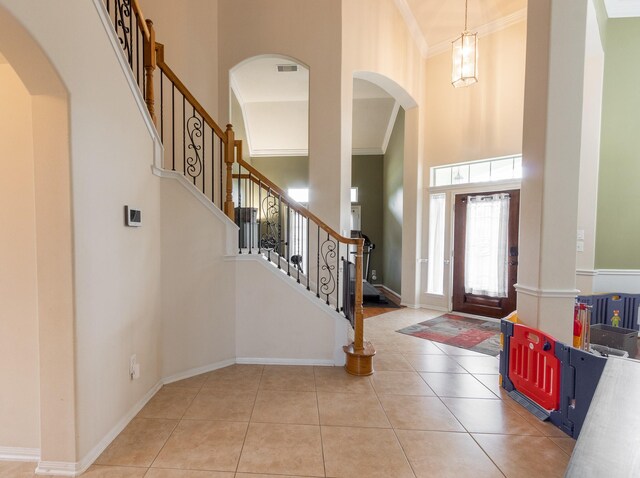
(269, 108)
(35, 152)
(400, 175)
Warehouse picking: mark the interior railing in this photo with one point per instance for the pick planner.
(290, 236)
(194, 144)
(271, 224)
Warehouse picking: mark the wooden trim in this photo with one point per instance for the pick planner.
(149, 60)
(257, 177)
(142, 22)
(171, 76)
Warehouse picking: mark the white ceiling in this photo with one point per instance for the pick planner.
(622, 8)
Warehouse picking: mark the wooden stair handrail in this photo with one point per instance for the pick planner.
(187, 94)
(258, 178)
(142, 21)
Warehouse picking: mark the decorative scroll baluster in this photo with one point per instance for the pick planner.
(193, 163)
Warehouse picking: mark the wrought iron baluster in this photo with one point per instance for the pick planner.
(184, 140)
(161, 108)
(238, 214)
(220, 156)
(204, 158)
(299, 241)
(280, 249)
(338, 278)
(318, 264)
(194, 163)
(213, 166)
(250, 210)
(173, 126)
(308, 259)
(122, 11)
(328, 282)
(259, 216)
(288, 226)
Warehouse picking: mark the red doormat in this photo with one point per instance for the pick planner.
(478, 335)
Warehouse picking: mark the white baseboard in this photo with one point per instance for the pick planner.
(437, 308)
(197, 371)
(283, 361)
(61, 468)
(10, 453)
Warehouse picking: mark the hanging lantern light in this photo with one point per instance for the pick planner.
(464, 70)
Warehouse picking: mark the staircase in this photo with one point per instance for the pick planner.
(271, 224)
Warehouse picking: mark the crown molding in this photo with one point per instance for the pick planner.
(483, 30)
(413, 26)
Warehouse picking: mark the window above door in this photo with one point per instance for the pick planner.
(483, 171)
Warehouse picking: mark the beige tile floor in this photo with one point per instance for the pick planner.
(429, 411)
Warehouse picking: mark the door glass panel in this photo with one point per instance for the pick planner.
(435, 274)
(487, 233)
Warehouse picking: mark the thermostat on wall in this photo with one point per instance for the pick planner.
(133, 217)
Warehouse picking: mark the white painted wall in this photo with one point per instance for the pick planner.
(590, 150)
(269, 123)
(278, 321)
(19, 373)
(198, 286)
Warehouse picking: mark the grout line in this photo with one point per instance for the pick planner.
(394, 429)
(244, 440)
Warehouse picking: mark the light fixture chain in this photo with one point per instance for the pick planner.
(466, 6)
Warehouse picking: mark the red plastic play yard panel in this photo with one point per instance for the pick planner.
(533, 367)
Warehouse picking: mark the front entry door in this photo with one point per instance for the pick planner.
(486, 253)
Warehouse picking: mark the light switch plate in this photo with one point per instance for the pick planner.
(580, 246)
(581, 234)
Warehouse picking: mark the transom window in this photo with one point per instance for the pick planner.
(483, 171)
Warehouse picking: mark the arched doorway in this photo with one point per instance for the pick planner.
(380, 104)
(39, 318)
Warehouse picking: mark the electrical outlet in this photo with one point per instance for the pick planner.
(580, 246)
(374, 276)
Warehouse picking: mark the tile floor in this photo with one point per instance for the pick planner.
(429, 411)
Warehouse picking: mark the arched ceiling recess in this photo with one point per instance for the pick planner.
(274, 106)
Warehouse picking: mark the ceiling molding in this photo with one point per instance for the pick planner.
(367, 151)
(413, 26)
(483, 30)
(392, 123)
(258, 153)
(622, 8)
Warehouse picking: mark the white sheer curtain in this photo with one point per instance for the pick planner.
(435, 269)
(487, 231)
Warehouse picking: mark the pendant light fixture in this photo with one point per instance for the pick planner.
(464, 52)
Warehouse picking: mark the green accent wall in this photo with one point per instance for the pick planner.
(618, 222)
(392, 206)
(366, 175)
(287, 172)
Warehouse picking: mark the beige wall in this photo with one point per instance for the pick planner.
(377, 46)
(188, 29)
(483, 120)
(311, 33)
(116, 269)
(198, 287)
(314, 334)
(19, 374)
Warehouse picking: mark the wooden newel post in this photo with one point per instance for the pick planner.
(359, 353)
(149, 61)
(228, 159)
